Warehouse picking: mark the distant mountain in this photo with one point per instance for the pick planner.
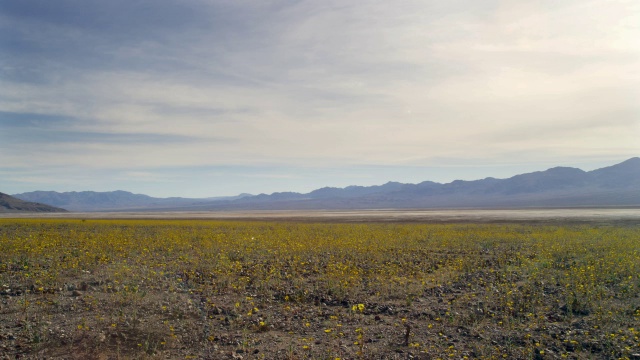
(112, 200)
(617, 185)
(12, 204)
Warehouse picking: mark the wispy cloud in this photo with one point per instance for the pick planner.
(151, 85)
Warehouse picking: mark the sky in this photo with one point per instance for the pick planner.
(202, 98)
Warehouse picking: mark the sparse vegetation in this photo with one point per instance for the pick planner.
(274, 290)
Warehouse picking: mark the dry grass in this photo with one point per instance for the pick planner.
(276, 290)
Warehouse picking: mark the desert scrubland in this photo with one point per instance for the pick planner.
(155, 289)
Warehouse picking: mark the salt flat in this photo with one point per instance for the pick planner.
(630, 215)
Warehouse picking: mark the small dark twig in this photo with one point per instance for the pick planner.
(407, 334)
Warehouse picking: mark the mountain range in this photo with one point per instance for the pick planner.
(115, 200)
(617, 185)
(10, 204)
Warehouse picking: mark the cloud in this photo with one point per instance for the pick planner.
(331, 84)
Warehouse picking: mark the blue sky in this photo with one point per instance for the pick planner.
(201, 98)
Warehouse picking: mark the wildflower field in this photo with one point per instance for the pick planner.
(157, 289)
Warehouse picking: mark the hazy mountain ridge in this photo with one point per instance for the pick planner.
(11, 204)
(616, 185)
(112, 200)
